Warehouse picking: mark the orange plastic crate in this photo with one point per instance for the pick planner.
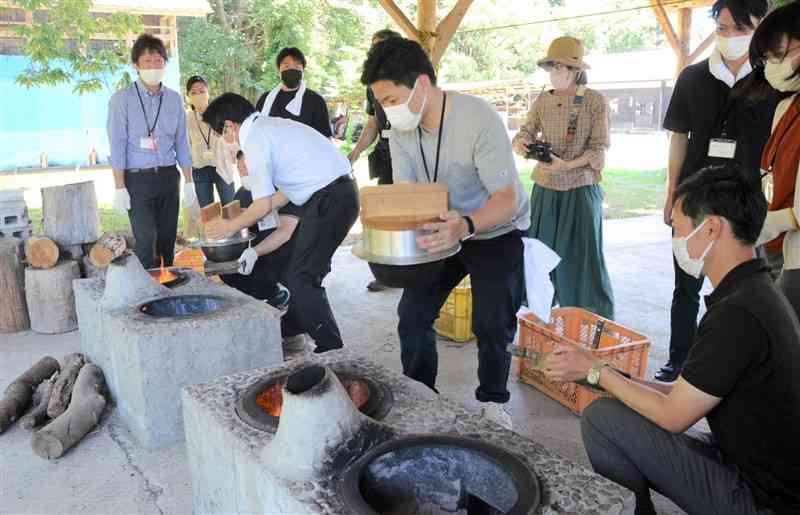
(622, 348)
(191, 258)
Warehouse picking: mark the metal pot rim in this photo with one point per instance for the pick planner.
(360, 252)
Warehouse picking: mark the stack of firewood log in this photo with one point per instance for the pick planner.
(68, 246)
(66, 398)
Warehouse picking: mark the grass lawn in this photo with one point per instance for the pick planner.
(629, 193)
(110, 220)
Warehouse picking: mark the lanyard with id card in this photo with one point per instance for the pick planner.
(724, 147)
(149, 142)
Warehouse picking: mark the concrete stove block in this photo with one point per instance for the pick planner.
(147, 360)
(229, 473)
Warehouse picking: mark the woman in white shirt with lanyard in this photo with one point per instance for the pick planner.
(210, 165)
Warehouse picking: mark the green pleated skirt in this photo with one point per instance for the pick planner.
(571, 223)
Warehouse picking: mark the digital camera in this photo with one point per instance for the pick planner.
(540, 151)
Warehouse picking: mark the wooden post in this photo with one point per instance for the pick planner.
(426, 22)
(684, 36)
(14, 314)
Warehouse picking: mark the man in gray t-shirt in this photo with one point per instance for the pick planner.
(475, 160)
(459, 141)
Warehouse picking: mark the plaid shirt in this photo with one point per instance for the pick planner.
(548, 120)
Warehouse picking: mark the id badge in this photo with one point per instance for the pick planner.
(722, 148)
(208, 155)
(386, 133)
(147, 143)
(268, 222)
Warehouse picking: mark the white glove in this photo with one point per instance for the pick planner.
(247, 261)
(122, 200)
(189, 196)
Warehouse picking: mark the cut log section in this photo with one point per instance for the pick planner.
(108, 248)
(211, 212)
(232, 210)
(62, 390)
(19, 394)
(82, 416)
(14, 312)
(70, 215)
(51, 299)
(41, 252)
(38, 415)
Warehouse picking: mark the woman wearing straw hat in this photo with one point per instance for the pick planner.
(567, 201)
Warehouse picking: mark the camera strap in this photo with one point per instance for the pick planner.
(577, 103)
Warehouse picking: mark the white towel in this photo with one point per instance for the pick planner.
(294, 107)
(540, 260)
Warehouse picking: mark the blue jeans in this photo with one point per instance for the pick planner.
(204, 181)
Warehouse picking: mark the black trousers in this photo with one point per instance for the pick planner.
(155, 201)
(262, 283)
(687, 468)
(269, 270)
(380, 165)
(683, 316)
(496, 272)
(326, 219)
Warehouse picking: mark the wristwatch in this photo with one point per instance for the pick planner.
(470, 228)
(593, 377)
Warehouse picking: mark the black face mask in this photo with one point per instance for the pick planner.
(291, 78)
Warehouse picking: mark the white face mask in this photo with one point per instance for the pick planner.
(401, 117)
(245, 182)
(781, 75)
(152, 77)
(680, 249)
(560, 79)
(734, 48)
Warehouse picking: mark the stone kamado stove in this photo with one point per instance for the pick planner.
(151, 341)
(338, 434)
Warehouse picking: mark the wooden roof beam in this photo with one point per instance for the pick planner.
(396, 14)
(700, 49)
(447, 29)
(666, 26)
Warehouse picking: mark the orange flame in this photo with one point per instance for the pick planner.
(165, 275)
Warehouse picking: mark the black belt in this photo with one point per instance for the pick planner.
(348, 177)
(148, 170)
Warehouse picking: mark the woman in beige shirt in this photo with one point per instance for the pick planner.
(567, 201)
(211, 166)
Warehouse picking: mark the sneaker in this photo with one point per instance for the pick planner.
(280, 300)
(375, 286)
(497, 414)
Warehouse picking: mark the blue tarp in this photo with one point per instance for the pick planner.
(55, 120)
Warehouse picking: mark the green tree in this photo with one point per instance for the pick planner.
(62, 46)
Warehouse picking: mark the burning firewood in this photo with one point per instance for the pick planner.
(83, 414)
(19, 394)
(62, 389)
